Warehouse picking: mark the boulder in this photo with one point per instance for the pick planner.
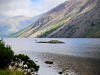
(60, 72)
(48, 62)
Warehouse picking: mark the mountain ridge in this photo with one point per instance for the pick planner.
(15, 24)
(72, 18)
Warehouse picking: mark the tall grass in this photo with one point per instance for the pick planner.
(10, 72)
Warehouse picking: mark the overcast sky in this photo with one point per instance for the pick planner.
(10, 8)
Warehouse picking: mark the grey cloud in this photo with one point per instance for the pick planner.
(5, 1)
(9, 8)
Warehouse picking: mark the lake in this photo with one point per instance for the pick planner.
(75, 52)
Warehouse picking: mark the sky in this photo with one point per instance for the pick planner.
(30, 8)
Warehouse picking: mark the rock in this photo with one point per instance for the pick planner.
(49, 66)
(60, 73)
(48, 62)
(25, 73)
(36, 61)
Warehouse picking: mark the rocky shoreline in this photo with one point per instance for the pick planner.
(72, 65)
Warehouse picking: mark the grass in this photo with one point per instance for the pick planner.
(53, 28)
(20, 32)
(35, 30)
(10, 72)
(55, 41)
(92, 32)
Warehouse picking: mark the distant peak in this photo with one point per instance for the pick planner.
(20, 16)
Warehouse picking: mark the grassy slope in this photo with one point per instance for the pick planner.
(93, 33)
(60, 24)
(51, 29)
(10, 72)
(20, 32)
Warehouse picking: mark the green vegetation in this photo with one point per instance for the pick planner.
(26, 61)
(7, 58)
(51, 41)
(93, 33)
(53, 28)
(10, 72)
(35, 30)
(64, 68)
(54, 41)
(6, 55)
(20, 32)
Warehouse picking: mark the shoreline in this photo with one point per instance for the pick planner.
(82, 66)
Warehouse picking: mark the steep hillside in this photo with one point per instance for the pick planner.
(15, 24)
(73, 18)
(86, 23)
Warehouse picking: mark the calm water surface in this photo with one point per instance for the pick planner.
(78, 47)
(75, 47)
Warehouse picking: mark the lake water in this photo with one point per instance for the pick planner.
(75, 47)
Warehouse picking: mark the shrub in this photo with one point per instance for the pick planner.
(6, 55)
(26, 60)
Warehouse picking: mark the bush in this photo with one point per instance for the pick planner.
(7, 58)
(26, 61)
(6, 55)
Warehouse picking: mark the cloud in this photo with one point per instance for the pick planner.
(5, 1)
(10, 8)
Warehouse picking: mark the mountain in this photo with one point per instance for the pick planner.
(15, 24)
(73, 18)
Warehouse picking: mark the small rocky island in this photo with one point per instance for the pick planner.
(51, 41)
